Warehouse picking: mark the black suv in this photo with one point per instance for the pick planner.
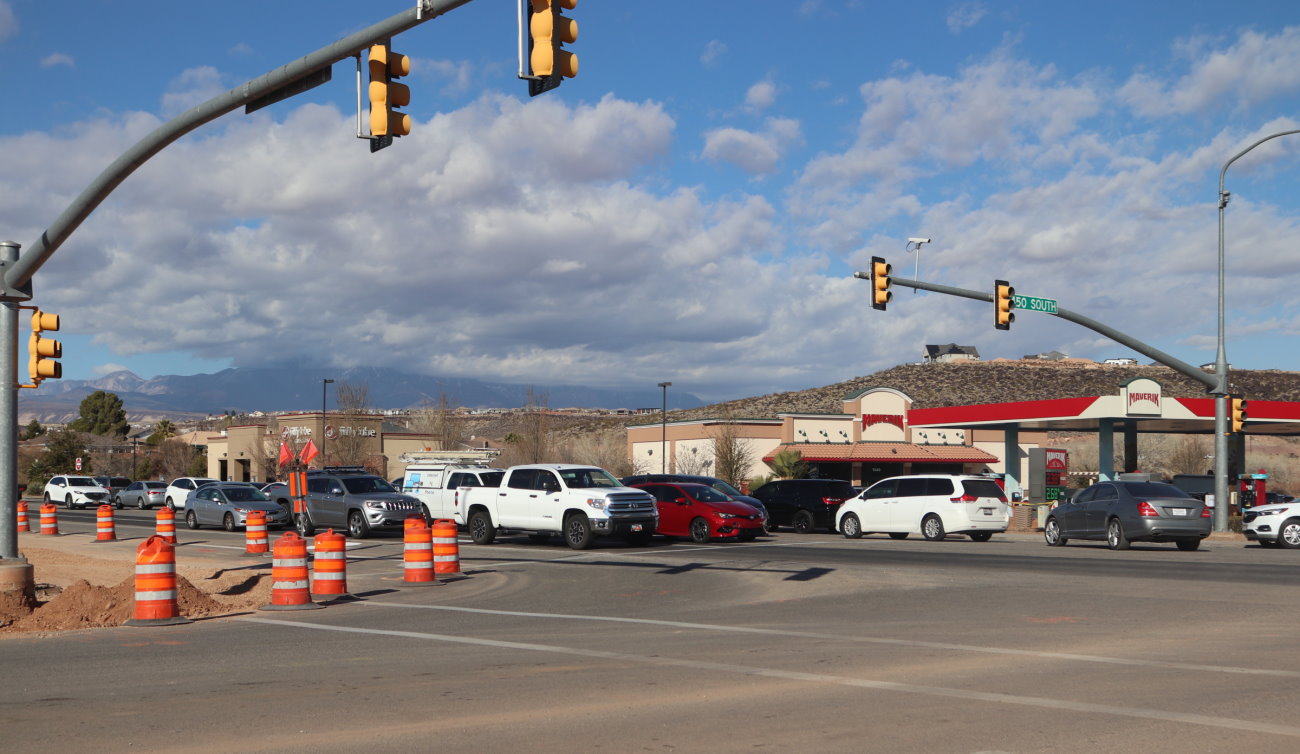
(805, 504)
(350, 496)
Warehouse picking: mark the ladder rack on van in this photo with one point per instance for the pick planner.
(478, 457)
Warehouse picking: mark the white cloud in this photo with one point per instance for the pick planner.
(58, 58)
(1255, 68)
(8, 22)
(760, 96)
(754, 152)
(193, 87)
(103, 369)
(713, 52)
(965, 15)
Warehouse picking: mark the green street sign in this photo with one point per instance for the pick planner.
(1046, 305)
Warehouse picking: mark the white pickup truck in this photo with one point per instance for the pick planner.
(438, 486)
(578, 502)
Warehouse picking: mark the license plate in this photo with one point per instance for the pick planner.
(1178, 511)
(636, 527)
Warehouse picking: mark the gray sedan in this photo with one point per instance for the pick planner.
(228, 506)
(143, 495)
(1124, 512)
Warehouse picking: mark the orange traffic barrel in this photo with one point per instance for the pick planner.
(155, 585)
(22, 516)
(330, 567)
(289, 587)
(417, 553)
(166, 525)
(255, 542)
(104, 530)
(49, 518)
(446, 550)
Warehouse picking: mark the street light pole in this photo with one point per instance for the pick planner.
(663, 423)
(323, 383)
(1221, 365)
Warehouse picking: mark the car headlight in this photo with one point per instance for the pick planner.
(1273, 512)
(596, 502)
(727, 515)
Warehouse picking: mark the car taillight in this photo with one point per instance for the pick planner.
(1146, 510)
(832, 500)
(1205, 511)
(967, 498)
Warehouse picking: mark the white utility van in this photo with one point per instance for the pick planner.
(932, 505)
(438, 481)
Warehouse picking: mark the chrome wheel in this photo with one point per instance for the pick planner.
(1052, 533)
(851, 526)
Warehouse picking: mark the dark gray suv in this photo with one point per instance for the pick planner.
(350, 497)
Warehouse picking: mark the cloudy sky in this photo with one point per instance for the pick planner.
(690, 208)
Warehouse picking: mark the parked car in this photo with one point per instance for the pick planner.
(932, 505)
(114, 484)
(712, 481)
(143, 495)
(1122, 512)
(228, 504)
(805, 504)
(179, 490)
(702, 513)
(1276, 525)
(350, 497)
(75, 492)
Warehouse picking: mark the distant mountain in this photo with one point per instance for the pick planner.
(299, 389)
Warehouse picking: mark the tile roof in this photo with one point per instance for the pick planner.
(883, 451)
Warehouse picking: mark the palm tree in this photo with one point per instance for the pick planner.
(789, 464)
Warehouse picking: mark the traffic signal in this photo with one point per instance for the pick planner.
(386, 94)
(548, 31)
(43, 351)
(1238, 414)
(880, 294)
(1004, 300)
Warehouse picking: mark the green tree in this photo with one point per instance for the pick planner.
(63, 448)
(102, 414)
(34, 429)
(162, 431)
(789, 464)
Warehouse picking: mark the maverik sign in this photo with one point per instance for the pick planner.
(1142, 397)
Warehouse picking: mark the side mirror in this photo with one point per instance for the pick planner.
(682, 501)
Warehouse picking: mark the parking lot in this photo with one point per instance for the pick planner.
(790, 642)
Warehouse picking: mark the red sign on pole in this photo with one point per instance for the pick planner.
(78, 464)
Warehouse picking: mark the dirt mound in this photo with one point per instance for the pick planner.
(85, 605)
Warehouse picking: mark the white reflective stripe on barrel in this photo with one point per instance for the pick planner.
(289, 585)
(287, 562)
(329, 555)
(419, 546)
(155, 568)
(445, 558)
(329, 577)
(168, 594)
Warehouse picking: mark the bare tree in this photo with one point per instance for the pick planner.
(733, 453)
(349, 447)
(440, 420)
(692, 460)
(604, 448)
(352, 397)
(174, 458)
(1188, 457)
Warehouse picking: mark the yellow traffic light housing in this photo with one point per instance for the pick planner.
(1004, 300)
(386, 94)
(42, 351)
(1239, 415)
(548, 32)
(880, 281)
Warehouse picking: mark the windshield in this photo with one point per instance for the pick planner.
(492, 478)
(585, 479)
(156, 485)
(725, 488)
(363, 484)
(81, 481)
(706, 494)
(244, 494)
(1153, 489)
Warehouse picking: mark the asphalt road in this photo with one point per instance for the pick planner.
(791, 643)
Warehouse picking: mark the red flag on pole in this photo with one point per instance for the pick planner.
(309, 452)
(286, 455)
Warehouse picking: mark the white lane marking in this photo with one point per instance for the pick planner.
(984, 696)
(862, 639)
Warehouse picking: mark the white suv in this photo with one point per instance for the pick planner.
(1276, 525)
(180, 489)
(76, 492)
(932, 505)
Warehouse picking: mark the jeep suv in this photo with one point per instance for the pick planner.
(349, 496)
(805, 504)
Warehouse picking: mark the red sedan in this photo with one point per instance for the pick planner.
(702, 513)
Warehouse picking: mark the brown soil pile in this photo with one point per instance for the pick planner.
(82, 604)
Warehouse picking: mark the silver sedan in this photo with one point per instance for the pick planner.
(228, 506)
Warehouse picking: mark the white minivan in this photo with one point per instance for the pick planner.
(932, 505)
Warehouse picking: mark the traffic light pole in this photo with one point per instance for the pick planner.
(15, 284)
